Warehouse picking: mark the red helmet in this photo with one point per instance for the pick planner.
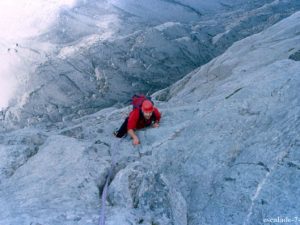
(147, 106)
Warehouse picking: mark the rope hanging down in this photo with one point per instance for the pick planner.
(109, 177)
(105, 189)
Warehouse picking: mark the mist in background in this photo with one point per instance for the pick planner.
(21, 20)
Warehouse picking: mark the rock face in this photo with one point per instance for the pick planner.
(226, 151)
(241, 131)
(102, 52)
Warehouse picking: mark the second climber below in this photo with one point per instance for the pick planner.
(139, 118)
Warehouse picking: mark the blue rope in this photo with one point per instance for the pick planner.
(105, 189)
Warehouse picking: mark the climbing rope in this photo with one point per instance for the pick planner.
(108, 179)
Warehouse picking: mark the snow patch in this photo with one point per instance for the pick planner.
(166, 25)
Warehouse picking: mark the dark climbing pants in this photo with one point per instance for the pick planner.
(123, 129)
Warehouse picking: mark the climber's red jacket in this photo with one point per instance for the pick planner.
(136, 119)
